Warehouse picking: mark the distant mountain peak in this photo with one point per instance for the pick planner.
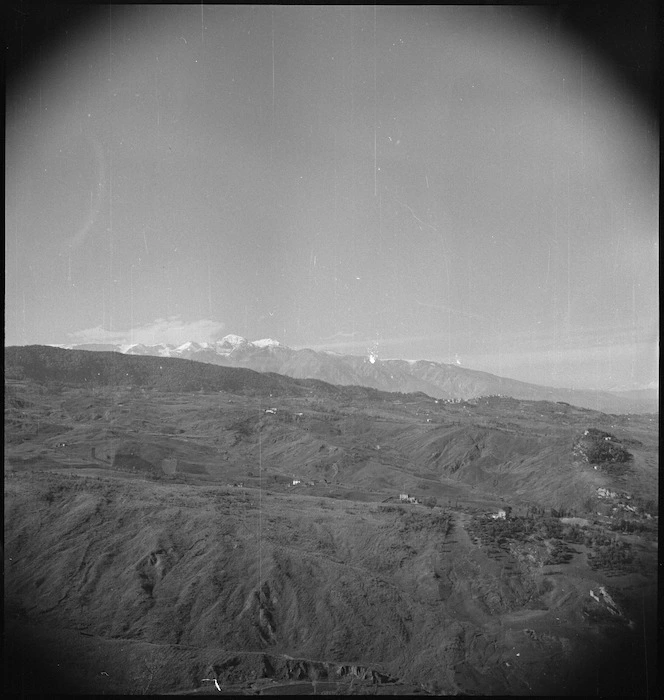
(236, 340)
(266, 343)
(439, 380)
(189, 345)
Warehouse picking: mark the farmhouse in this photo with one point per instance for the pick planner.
(502, 514)
(405, 498)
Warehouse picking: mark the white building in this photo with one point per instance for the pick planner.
(405, 498)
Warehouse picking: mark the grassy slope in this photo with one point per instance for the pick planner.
(215, 572)
(523, 451)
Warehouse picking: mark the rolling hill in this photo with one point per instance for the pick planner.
(436, 379)
(173, 526)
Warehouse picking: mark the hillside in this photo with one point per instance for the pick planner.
(45, 364)
(442, 381)
(249, 532)
(58, 366)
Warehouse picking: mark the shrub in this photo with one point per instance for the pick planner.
(573, 534)
(588, 504)
(558, 552)
(612, 555)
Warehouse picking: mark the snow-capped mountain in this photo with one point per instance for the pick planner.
(439, 380)
(222, 347)
(232, 341)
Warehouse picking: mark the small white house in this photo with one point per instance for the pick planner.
(296, 482)
(405, 498)
(501, 514)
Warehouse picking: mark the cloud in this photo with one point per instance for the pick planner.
(172, 330)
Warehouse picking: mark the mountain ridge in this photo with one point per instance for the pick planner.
(436, 379)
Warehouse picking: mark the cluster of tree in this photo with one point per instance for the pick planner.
(631, 525)
(597, 538)
(414, 520)
(589, 504)
(573, 534)
(646, 505)
(557, 552)
(562, 512)
(615, 556)
(600, 447)
(245, 427)
(492, 532)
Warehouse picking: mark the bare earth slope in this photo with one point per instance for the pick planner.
(179, 555)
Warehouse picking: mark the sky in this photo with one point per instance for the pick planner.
(460, 184)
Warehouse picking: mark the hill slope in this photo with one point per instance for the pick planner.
(433, 378)
(249, 588)
(510, 447)
(250, 532)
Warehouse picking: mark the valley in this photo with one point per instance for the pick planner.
(168, 531)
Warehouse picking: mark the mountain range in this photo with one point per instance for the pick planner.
(439, 380)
